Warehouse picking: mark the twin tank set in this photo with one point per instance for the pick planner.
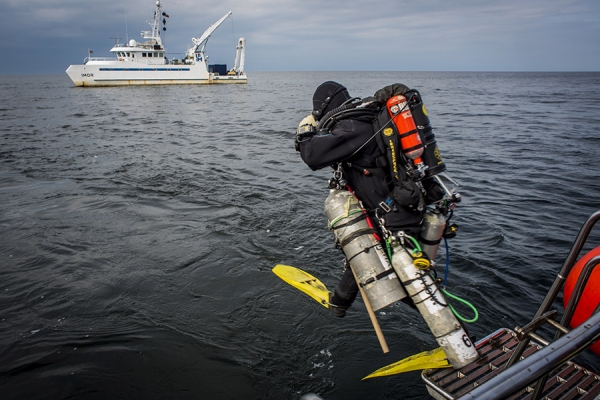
(385, 282)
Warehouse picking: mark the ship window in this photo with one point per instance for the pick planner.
(149, 54)
(132, 55)
(128, 54)
(143, 54)
(160, 54)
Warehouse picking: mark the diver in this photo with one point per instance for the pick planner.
(348, 144)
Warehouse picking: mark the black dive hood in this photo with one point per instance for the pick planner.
(328, 96)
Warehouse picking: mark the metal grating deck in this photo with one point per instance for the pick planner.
(568, 381)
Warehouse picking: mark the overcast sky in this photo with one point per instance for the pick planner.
(46, 36)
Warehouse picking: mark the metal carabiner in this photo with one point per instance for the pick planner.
(338, 173)
(337, 181)
(381, 222)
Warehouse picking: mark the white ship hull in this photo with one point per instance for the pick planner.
(145, 63)
(108, 75)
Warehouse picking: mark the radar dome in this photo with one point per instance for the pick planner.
(132, 43)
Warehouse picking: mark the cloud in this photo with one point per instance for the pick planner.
(317, 35)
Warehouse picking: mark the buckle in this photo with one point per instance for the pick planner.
(386, 205)
(305, 129)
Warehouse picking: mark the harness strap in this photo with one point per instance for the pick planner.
(429, 242)
(352, 222)
(403, 135)
(378, 277)
(357, 234)
(426, 289)
(431, 296)
(376, 171)
(366, 250)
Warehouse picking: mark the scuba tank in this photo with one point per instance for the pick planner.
(421, 286)
(364, 252)
(436, 218)
(434, 224)
(431, 155)
(401, 115)
(434, 309)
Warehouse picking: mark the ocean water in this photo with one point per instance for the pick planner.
(139, 227)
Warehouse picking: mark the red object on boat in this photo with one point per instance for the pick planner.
(591, 293)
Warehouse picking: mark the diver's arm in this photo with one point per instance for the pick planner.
(327, 148)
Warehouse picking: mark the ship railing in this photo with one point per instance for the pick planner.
(87, 59)
(147, 35)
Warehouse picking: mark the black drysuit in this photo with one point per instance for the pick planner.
(353, 141)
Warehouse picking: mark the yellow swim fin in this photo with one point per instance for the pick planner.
(304, 282)
(425, 360)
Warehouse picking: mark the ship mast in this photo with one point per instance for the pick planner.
(155, 24)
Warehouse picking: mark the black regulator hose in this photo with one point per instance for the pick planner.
(333, 112)
(345, 113)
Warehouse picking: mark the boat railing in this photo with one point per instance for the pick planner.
(589, 329)
(538, 365)
(183, 61)
(87, 59)
(559, 282)
(534, 359)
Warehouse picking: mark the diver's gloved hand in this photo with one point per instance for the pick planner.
(306, 129)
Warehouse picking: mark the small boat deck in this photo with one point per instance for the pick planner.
(567, 381)
(521, 364)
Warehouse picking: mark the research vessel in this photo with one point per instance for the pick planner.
(146, 62)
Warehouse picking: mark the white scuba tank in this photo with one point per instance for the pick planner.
(434, 224)
(364, 252)
(434, 309)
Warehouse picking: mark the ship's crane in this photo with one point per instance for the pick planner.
(202, 40)
(196, 53)
(238, 65)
